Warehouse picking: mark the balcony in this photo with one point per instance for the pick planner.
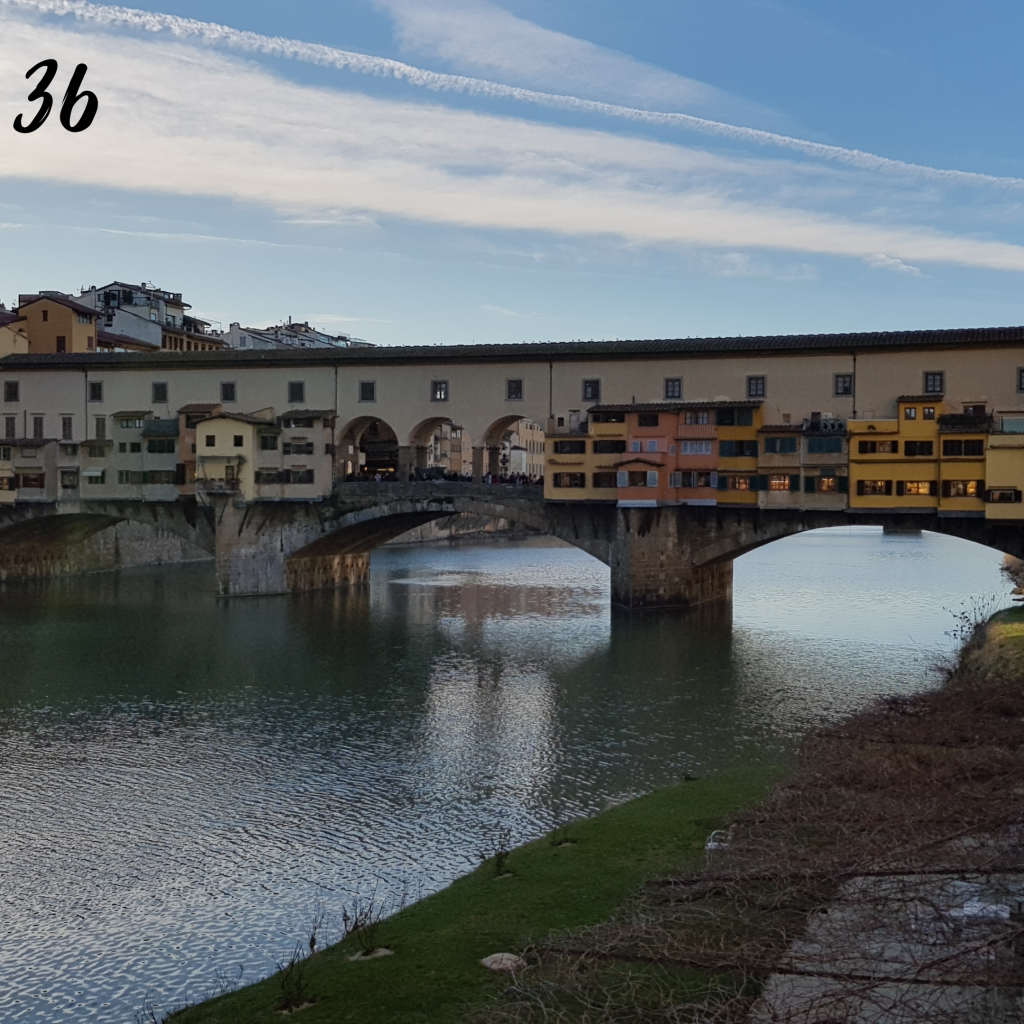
(208, 486)
(958, 423)
(690, 431)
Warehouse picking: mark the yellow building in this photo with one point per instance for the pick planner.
(738, 480)
(13, 334)
(55, 323)
(582, 459)
(895, 463)
(260, 457)
(963, 438)
(1004, 467)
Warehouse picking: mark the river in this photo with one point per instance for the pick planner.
(183, 780)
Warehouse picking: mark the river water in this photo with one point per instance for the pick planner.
(183, 780)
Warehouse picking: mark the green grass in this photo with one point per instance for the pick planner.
(1001, 654)
(435, 973)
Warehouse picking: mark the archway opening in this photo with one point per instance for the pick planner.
(512, 451)
(439, 449)
(368, 450)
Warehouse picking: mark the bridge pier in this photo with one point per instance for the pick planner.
(654, 562)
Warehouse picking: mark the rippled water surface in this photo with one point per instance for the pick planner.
(181, 777)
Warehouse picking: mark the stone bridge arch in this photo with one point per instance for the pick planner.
(376, 440)
(43, 539)
(267, 548)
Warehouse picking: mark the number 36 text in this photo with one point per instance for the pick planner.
(72, 97)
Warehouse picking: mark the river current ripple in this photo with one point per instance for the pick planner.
(183, 780)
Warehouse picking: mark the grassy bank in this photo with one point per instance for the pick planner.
(435, 973)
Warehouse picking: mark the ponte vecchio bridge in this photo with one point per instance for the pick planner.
(678, 555)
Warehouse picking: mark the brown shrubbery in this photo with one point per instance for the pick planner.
(883, 882)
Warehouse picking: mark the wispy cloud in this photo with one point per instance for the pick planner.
(481, 37)
(882, 262)
(502, 311)
(213, 34)
(741, 264)
(207, 123)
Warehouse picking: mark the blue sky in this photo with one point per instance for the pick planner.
(433, 171)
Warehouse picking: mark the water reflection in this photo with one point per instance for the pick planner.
(178, 775)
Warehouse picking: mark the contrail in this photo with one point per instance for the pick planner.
(362, 63)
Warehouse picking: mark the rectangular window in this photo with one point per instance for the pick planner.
(367, 391)
(956, 448)
(1003, 495)
(161, 445)
(778, 482)
(269, 476)
(10, 427)
(647, 419)
(159, 394)
(268, 442)
(874, 487)
(1020, 378)
(95, 391)
(917, 488)
(651, 445)
(211, 440)
(635, 446)
(97, 451)
(637, 478)
(824, 445)
(842, 385)
(62, 343)
(69, 479)
(95, 477)
(673, 387)
(879, 447)
(67, 428)
(298, 448)
(122, 447)
(756, 387)
(12, 391)
(780, 445)
(962, 488)
(652, 478)
(695, 447)
(621, 478)
(301, 476)
(5, 454)
(910, 412)
(952, 448)
(439, 391)
(135, 447)
(592, 391)
(697, 417)
(46, 316)
(160, 476)
(934, 383)
(928, 412)
(827, 484)
(36, 481)
(737, 449)
(228, 391)
(37, 428)
(740, 483)
(917, 448)
(514, 390)
(238, 440)
(570, 480)
(570, 447)
(609, 447)
(604, 480)
(296, 392)
(675, 479)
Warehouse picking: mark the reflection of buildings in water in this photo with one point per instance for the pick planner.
(489, 724)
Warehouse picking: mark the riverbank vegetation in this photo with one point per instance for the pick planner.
(574, 878)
